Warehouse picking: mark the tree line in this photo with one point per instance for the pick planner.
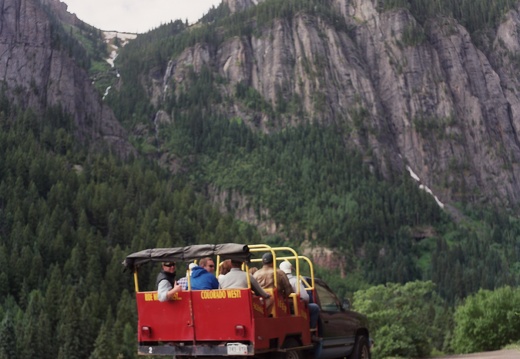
(67, 220)
(68, 217)
(475, 15)
(412, 321)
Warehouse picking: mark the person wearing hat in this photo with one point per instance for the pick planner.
(166, 284)
(314, 309)
(183, 282)
(265, 276)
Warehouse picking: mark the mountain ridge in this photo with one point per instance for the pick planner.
(427, 94)
(38, 72)
(411, 95)
(302, 123)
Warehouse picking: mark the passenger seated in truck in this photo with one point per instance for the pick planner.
(237, 278)
(224, 268)
(314, 309)
(183, 282)
(202, 279)
(265, 276)
(166, 284)
(208, 264)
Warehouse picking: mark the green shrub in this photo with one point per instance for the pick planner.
(487, 321)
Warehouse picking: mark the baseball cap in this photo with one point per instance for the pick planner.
(192, 265)
(267, 258)
(286, 266)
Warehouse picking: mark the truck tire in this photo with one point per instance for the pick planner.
(361, 349)
(291, 354)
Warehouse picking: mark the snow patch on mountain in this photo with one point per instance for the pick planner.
(423, 187)
(116, 40)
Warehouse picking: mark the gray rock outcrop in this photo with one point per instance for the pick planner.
(418, 95)
(38, 76)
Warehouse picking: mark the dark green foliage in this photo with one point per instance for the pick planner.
(36, 334)
(8, 341)
(266, 12)
(315, 185)
(487, 320)
(67, 219)
(413, 36)
(467, 259)
(253, 100)
(104, 344)
(70, 344)
(82, 42)
(215, 13)
(385, 5)
(473, 14)
(404, 318)
(407, 320)
(311, 182)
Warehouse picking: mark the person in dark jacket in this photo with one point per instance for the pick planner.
(167, 287)
(202, 279)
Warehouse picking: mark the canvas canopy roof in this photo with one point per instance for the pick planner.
(189, 253)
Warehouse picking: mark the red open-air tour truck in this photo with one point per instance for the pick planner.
(235, 322)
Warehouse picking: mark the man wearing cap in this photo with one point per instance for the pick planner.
(265, 276)
(166, 284)
(314, 309)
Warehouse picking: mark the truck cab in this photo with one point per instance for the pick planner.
(236, 322)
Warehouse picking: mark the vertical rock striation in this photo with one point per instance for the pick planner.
(418, 95)
(37, 74)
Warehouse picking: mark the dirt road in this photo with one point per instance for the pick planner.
(500, 354)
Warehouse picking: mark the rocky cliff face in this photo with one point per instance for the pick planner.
(60, 10)
(452, 116)
(240, 5)
(36, 75)
(422, 96)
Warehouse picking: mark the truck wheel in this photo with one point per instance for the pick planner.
(291, 354)
(361, 349)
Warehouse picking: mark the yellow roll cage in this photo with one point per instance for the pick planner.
(279, 254)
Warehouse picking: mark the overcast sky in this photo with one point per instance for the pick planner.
(137, 15)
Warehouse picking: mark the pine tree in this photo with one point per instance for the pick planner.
(70, 328)
(8, 338)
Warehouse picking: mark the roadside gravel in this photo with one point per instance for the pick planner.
(500, 354)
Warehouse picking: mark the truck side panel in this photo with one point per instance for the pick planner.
(163, 321)
(199, 315)
(223, 315)
(206, 322)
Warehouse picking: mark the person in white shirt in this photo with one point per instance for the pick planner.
(314, 309)
(237, 278)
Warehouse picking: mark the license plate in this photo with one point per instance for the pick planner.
(236, 349)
